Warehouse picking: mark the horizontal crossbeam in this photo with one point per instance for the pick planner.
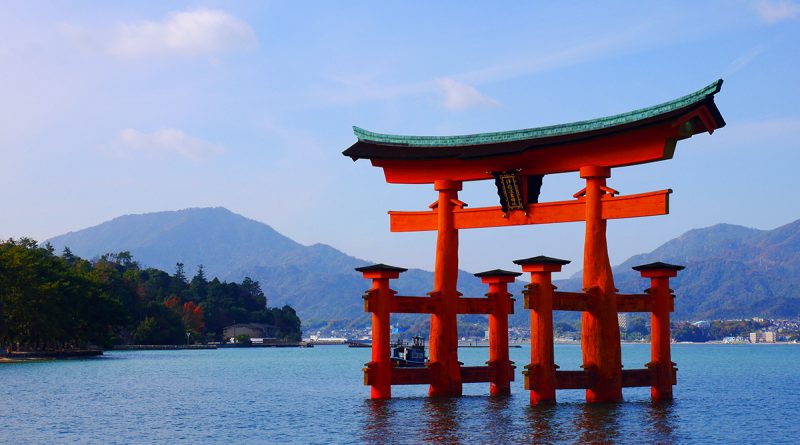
(573, 379)
(477, 374)
(629, 206)
(583, 301)
(422, 375)
(474, 306)
(411, 376)
(572, 301)
(428, 305)
(412, 305)
(562, 301)
(631, 378)
(635, 303)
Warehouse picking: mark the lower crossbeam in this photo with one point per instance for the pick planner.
(631, 378)
(422, 375)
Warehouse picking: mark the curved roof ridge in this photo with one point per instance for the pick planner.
(540, 132)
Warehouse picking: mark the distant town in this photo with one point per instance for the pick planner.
(633, 329)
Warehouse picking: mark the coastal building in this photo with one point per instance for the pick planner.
(734, 339)
(763, 337)
(319, 340)
(622, 319)
(252, 330)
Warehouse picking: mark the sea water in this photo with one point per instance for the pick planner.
(725, 394)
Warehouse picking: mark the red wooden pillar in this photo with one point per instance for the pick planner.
(501, 305)
(444, 367)
(663, 303)
(600, 340)
(540, 376)
(377, 300)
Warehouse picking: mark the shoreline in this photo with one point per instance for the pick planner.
(159, 347)
(30, 356)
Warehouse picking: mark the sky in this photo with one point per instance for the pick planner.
(113, 108)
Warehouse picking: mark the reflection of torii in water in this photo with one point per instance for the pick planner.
(517, 161)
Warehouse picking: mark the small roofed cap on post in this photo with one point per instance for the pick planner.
(497, 273)
(658, 265)
(380, 267)
(541, 259)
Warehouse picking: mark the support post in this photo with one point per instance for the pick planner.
(444, 366)
(377, 300)
(540, 374)
(600, 341)
(663, 303)
(501, 305)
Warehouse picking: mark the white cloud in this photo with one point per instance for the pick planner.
(459, 96)
(773, 11)
(202, 31)
(162, 142)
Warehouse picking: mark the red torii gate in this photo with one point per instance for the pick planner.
(517, 161)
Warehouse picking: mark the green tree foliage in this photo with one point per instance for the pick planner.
(54, 302)
(243, 339)
(49, 302)
(161, 326)
(287, 322)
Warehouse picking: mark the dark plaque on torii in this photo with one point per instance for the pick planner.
(511, 193)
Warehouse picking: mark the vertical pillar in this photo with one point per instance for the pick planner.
(501, 305)
(600, 340)
(444, 367)
(378, 301)
(660, 355)
(541, 372)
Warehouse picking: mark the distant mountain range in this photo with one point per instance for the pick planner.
(318, 281)
(732, 271)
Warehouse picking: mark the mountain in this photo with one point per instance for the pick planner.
(318, 281)
(731, 272)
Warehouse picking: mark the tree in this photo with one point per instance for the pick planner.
(287, 322)
(162, 326)
(180, 275)
(198, 287)
(243, 339)
(192, 317)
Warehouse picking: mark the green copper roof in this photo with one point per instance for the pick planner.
(534, 133)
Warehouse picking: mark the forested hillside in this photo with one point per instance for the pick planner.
(49, 301)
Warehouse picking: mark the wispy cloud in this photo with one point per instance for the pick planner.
(556, 58)
(199, 32)
(460, 96)
(167, 141)
(743, 60)
(460, 89)
(773, 11)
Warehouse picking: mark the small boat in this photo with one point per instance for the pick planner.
(409, 356)
(358, 344)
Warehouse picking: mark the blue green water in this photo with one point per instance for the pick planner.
(725, 394)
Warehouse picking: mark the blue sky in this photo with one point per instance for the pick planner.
(111, 108)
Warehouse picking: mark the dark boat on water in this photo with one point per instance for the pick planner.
(409, 355)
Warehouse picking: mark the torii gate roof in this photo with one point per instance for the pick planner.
(645, 135)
